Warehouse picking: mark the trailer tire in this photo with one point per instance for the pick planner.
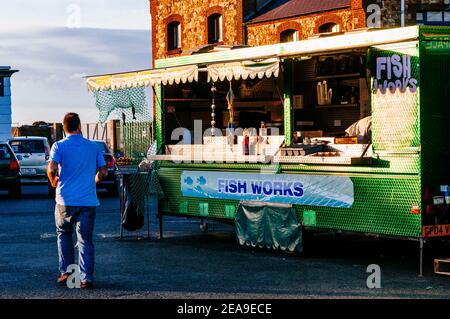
(204, 227)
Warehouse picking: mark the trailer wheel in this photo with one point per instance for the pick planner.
(203, 226)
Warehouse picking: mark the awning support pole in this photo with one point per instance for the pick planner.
(421, 243)
(402, 13)
(288, 112)
(158, 120)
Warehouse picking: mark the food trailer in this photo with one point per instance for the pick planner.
(350, 130)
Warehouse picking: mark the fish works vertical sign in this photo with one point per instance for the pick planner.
(314, 190)
(395, 74)
(395, 71)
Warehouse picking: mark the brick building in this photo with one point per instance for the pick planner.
(178, 26)
(181, 26)
(186, 26)
(428, 12)
(422, 12)
(300, 19)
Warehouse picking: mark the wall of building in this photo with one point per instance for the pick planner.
(5, 109)
(192, 14)
(388, 11)
(269, 32)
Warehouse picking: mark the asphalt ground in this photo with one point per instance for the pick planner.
(190, 263)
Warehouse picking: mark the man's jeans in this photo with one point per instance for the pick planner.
(83, 218)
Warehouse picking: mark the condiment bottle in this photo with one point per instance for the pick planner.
(245, 143)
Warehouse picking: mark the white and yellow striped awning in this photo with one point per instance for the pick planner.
(183, 74)
(144, 78)
(248, 62)
(243, 70)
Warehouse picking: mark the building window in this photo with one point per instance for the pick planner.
(173, 35)
(419, 16)
(329, 27)
(289, 35)
(433, 18)
(215, 29)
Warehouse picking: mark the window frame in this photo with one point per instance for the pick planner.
(294, 32)
(217, 23)
(171, 46)
(330, 27)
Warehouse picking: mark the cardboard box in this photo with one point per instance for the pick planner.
(346, 140)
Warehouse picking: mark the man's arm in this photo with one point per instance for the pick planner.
(52, 171)
(101, 174)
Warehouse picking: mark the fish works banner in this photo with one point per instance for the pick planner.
(314, 190)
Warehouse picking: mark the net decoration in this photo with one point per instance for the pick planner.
(154, 187)
(129, 104)
(130, 108)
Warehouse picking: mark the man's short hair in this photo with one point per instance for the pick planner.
(71, 122)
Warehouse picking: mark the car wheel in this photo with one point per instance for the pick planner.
(15, 191)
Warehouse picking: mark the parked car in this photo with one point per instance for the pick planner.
(10, 177)
(34, 152)
(110, 183)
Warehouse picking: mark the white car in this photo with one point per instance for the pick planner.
(34, 152)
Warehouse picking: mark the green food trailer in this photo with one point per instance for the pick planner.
(349, 130)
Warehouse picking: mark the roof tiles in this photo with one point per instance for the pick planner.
(295, 8)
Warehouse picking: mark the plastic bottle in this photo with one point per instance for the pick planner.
(245, 144)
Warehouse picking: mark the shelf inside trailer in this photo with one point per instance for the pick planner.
(336, 106)
(237, 102)
(338, 76)
(207, 157)
(323, 160)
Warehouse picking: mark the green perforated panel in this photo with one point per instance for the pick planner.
(395, 112)
(230, 211)
(288, 111)
(159, 115)
(434, 33)
(435, 111)
(382, 204)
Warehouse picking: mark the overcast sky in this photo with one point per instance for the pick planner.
(54, 43)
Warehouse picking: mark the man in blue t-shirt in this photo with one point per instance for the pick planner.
(76, 165)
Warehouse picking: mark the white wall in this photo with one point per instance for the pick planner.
(5, 111)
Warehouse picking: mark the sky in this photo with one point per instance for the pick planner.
(54, 43)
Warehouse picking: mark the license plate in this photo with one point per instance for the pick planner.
(438, 200)
(436, 231)
(28, 171)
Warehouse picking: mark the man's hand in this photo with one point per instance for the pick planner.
(52, 170)
(101, 174)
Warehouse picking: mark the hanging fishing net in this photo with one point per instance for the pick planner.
(130, 108)
(128, 101)
(139, 179)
